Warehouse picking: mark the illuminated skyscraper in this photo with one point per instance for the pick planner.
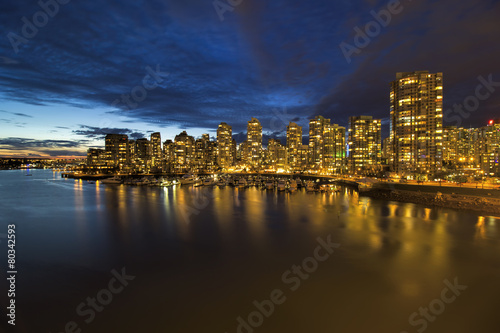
(293, 144)
(225, 157)
(143, 151)
(254, 143)
(365, 145)
(169, 155)
(116, 147)
(276, 155)
(156, 148)
(487, 149)
(416, 100)
(184, 152)
(326, 146)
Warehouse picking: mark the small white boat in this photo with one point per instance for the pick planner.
(112, 180)
(165, 182)
(293, 186)
(221, 182)
(188, 179)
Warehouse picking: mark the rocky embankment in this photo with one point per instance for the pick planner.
(457, 201)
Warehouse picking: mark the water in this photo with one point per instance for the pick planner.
(202, 256)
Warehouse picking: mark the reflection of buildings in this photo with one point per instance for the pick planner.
(365, 146)
(416, 122)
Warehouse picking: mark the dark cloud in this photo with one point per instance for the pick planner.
(43, 147)
(98, 132)
(23, 143)
(17, 114)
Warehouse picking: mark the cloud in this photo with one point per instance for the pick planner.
(23, 143)
(97, 132)
(17, 114)
(13, 146)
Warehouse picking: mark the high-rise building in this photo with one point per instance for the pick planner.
(205, 158)
(254, 142)
(276, 155)
(131, 151)
(416, 112)
(487, 149)
(157, 153)
(225, 157)
(184, 152)
(293, 144)
(365, 145)
(96, 158)
(143, 151)
(326, 146)
(169, 155)
(116, 145)
(387, 152)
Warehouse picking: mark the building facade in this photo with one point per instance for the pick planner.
(365, 144)
(326, 146)
(225, 150)
(116, 147)
(254, 143)
(416, 112)
(293, 145)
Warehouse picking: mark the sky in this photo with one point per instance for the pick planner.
(72, 71)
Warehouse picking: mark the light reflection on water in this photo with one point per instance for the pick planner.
(207, 253)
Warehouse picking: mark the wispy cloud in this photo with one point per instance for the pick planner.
(97, 132)
(43, 147)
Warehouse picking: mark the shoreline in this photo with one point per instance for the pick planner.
(477, 203)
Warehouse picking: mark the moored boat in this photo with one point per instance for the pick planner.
(112, 180)
(281, 185)
(269, 184)
(187, 179)
(209, 181)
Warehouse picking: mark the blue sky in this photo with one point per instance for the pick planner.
(279, 61)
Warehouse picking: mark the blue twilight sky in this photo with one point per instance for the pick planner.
(65, 77)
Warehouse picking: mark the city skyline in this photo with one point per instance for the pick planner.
(62, 87)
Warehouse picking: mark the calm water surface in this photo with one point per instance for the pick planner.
(202, 256)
